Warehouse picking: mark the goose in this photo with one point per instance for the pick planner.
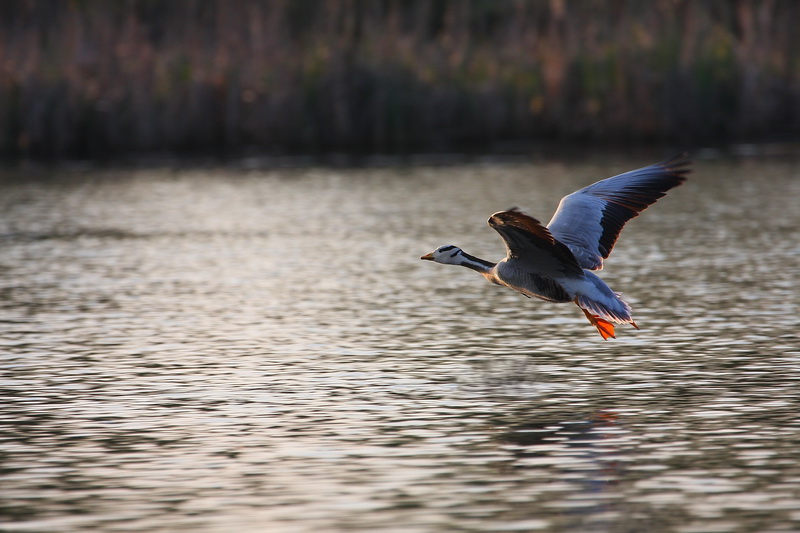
(556, 263)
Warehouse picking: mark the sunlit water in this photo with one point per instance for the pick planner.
(220, 350)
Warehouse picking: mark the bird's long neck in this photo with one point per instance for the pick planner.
(475, 263)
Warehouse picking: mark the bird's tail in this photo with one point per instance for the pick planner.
(603, 322)
(604, 312)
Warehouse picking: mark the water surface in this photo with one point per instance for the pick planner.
(220, 350)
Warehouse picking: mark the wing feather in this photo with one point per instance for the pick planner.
(530, 244)
(589, 220)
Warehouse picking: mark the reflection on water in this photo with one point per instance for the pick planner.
(213, 350)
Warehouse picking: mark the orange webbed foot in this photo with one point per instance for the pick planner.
(604, 327)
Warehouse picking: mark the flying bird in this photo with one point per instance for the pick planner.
(555, 263)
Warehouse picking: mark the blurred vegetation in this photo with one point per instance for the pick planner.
(95, 78)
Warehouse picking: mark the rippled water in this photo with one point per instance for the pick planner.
(220, 350)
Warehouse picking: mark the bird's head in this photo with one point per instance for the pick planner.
(447, 254)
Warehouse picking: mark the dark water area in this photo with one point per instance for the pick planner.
(219, 350)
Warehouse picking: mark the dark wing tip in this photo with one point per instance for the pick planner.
(677, 166)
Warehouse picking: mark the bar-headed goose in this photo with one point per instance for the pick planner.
(554, 263)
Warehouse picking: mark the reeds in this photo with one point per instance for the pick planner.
(99, 78)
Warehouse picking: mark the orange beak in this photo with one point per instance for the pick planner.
(428, 257)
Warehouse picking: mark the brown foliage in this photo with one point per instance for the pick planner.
(93, 78)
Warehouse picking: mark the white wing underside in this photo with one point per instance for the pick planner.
(589, 220)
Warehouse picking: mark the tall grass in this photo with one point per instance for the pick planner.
(95, 78)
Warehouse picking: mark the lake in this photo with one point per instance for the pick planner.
(223, 349)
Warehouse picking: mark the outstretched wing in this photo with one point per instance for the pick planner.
(532, 245)
(588, 221)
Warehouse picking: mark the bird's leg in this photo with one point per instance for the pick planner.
(605, 328)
